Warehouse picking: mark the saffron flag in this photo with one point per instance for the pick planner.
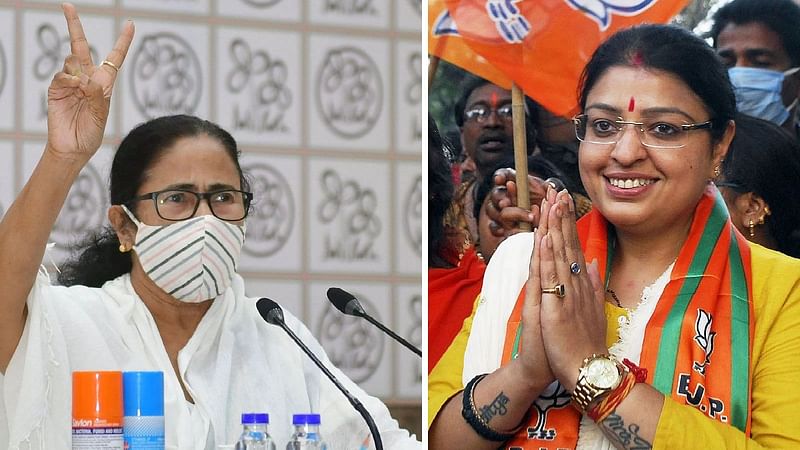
(543, 45)
(445, 42)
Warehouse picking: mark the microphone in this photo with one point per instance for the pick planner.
(271, 312)
(348, 304)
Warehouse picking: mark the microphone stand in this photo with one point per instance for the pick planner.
(392, 334)
(277, 319)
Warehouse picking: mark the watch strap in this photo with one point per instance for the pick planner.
(584, 393)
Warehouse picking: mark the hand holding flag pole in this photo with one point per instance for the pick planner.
(533, 43)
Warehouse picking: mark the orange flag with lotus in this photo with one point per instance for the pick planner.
(542, 45)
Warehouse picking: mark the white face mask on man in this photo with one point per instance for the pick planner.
(192, 260)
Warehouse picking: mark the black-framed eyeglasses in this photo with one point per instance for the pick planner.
(656, 132)
(481, 113)
(180, 204)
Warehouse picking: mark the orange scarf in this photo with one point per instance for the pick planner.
(703, 318)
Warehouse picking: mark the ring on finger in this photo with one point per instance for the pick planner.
(575, 268)
(110, 64)
(558, 290)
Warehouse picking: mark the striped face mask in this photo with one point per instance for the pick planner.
(192, 260)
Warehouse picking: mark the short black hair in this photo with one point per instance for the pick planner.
(470, 84)
(673, 50)
(780, 16)
(765, 159)
(467, 87)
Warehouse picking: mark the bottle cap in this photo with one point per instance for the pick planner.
(305, 419)
(144, 393)
(255, 418)
(97, 395)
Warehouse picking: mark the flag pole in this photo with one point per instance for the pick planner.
(520, 150)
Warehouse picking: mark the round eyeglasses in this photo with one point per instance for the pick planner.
(181, 204)
(656, 132)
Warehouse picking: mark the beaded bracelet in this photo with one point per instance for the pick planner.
(473, 418)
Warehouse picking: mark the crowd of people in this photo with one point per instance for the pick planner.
(656, 304)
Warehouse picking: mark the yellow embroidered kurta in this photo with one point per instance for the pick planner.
(775, 369)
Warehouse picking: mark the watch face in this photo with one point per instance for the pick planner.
(602, 373)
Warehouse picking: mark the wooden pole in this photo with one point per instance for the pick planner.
(520, 150)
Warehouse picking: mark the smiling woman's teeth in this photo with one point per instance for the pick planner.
(629, 183)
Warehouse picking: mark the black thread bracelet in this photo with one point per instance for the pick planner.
(470, 414)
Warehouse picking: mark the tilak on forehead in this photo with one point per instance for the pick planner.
(494, 100)
(637, 59)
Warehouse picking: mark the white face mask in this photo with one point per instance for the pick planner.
(192, 260)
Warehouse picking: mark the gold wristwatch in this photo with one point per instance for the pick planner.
(598, 375)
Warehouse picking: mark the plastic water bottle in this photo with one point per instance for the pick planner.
(306, 433)
(255, 436)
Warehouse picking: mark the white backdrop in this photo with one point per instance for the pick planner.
(323, 96)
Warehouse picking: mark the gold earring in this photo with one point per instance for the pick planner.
(124, 248)
(767, 211)
(717, 171)
(752, 226)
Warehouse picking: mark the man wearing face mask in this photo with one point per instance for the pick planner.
(157, 290)
(759, 41)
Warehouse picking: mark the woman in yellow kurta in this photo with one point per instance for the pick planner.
(652, 322)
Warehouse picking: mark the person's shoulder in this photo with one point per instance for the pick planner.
(80, 293)
(509, 268)
(768, 263)
(513, 248)
(776, 280)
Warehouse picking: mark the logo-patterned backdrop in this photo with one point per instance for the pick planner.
(324, 98)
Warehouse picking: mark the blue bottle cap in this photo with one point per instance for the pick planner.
(305, 419)
(143, 393)
(255, 418)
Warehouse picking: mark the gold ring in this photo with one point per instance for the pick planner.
(558, 290)
(110, 64)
